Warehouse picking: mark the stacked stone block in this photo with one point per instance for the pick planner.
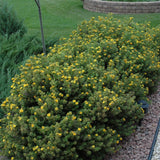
(121, 7)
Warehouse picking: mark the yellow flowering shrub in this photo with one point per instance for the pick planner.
(79, 101)
(126, 49)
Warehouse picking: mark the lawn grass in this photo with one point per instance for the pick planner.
(60, 17)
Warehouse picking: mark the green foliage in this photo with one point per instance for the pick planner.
(13, 52)
(79, 101)
(15, 47)
(9, 23)
(127, 50)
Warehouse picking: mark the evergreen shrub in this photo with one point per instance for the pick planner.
(79, 101)
(9, 22)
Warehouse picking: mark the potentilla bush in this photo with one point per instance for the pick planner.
(126, 46)
(60, 111)
(78, 101)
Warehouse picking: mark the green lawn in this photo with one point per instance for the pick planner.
(60, 17)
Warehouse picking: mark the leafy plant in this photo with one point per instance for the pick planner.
(13, 52)
(74, 102)
(9, 22)
(15, 47)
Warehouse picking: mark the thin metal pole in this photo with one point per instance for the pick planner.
(41, 24)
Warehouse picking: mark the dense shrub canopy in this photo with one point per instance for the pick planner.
(80, 100)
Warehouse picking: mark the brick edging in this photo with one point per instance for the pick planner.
(121, 7)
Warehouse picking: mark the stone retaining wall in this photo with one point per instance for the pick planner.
(121, 7)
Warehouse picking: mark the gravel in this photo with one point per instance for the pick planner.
(138, 145)
(156, 150)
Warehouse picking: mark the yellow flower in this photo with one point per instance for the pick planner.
(56, 109)
(40, 100)
(107, 108)
(42, 149)
(79, 129)
(56, 100)
(100, 96)
(35, 148)
(25, 85)
(42, 107)
(21, 110)
(22, 80)
(48, 115)
(142, 110)
(60, 94)
(104, 130)
(80, 119)
(74, 133)
(59, 134)
(110, 103)
(3, 104)
(86, 102)
(32, 125)
(74, 117)
(93, 146)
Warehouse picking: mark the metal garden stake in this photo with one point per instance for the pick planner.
(40, 18)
